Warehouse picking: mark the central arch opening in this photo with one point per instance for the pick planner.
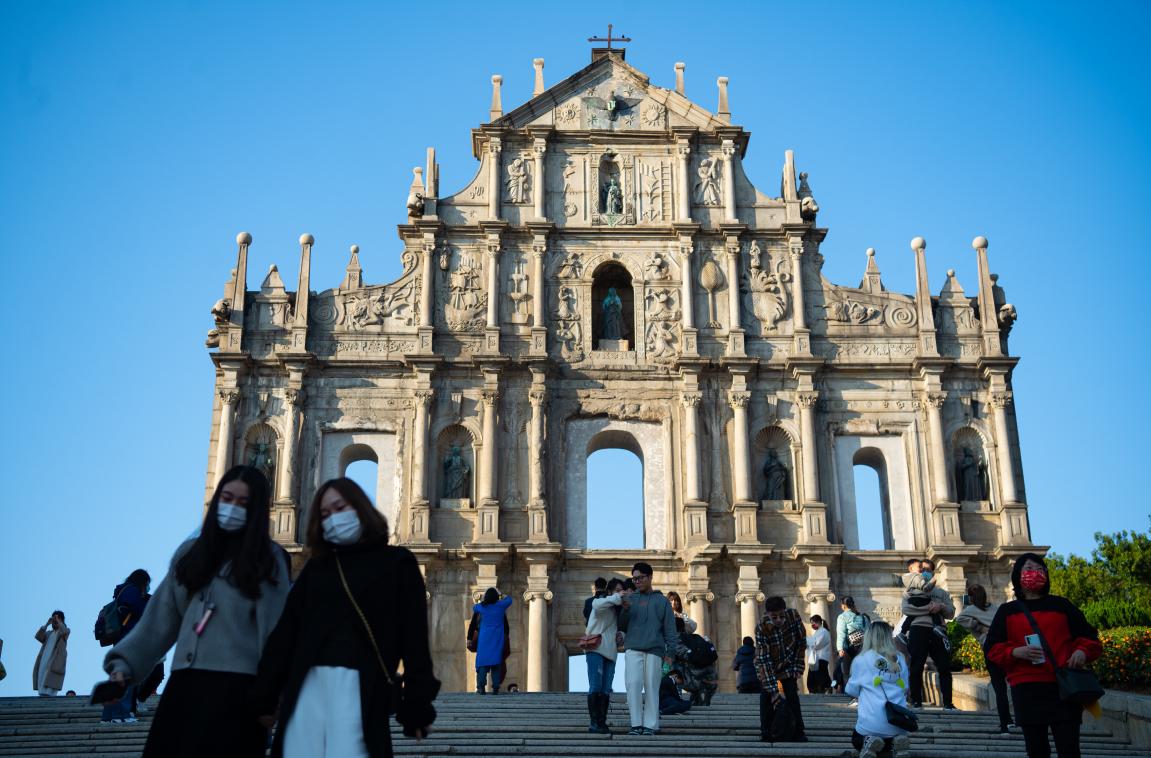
(872, 500)
(615, 505)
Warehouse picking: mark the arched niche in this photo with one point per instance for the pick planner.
(969, 467)
(455, 458)
(607, 276)
(774, 475)
(262, 451)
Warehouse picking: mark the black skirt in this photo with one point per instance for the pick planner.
(206, 713)
(1038, 704)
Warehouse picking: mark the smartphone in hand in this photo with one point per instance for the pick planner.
(1033, 640)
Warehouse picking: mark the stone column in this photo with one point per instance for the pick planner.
(934, 401)
(493, 285)
(697, 604)
(494, 172)
(292, 398)
(488, 466)
(537, 397)
(734, 327)
(691, 445)
(727, 150)
(683, 196)
(748, 612)
(999, 403)
(927, 342)
(740, 467)
(537, 603)
(685, 249)
(987, 313)
(420, 447)
(539, 249)
(807, 401)
(426, 288)
(228, 400)
(539, 147)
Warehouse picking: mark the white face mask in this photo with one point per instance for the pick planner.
(343, 528)
(231, 518)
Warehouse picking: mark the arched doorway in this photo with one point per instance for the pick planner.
(872, 500)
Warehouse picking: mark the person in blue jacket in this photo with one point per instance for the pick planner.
(490, 648)
(131, 597)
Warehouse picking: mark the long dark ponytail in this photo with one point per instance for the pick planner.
(250, 551)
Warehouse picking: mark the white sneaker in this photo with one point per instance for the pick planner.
(853, 704)
(901, 746)
(872, 747)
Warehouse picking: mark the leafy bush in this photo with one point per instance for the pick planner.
(1119, 567)
(969, 654)
(1110, 613)
(1126, 659)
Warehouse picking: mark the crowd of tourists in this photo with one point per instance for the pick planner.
(317, 659)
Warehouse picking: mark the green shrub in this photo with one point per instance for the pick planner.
(1111, 613)
(1126, 659)
(969, 654)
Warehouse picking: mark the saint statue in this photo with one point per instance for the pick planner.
(261, 459)
(613, 198)
(456, 475)
(777, 478)
(612, 316)
(971, 481)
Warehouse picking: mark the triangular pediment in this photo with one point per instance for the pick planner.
(610, 95)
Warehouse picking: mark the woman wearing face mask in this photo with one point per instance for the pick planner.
(220, 600)
(1072, 641)
(357, 613)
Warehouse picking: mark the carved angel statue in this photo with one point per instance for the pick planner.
(604, 111)
(660, 306)
(571, 267)
(221, 311)
(660, 341)
(518, 180)
(707, 188)
(656, 267)
(567, 304)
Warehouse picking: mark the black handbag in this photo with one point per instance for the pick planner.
(897, 715)
(1075, 685)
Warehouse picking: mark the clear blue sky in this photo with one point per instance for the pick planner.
(139, 138)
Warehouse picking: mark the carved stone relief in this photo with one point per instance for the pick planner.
(570, 204)
(465, 301)
(571, 267)
(568, 331)
(707, 191)
(654, 115)
(519, 181)
(656, 268)
(765, 292)
(518, 292)
(663, 317)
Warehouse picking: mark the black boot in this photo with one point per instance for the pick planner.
(604, 702)
(706, 697)
(593, 712)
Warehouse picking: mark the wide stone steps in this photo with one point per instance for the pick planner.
(556, 724)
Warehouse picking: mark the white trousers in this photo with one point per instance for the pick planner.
(641, 675)
(327, 721)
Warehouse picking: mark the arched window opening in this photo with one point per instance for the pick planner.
(365, 473)
(613, 308)
(577, 674)
(615, 508)
(872, 501)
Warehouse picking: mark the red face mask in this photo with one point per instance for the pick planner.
(815, 626)
(1033, 580)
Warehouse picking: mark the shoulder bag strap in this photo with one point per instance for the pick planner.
(364, 619)
(1039, 634)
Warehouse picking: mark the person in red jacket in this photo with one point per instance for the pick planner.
(1073, 643)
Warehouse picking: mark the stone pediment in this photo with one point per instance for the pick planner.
(610, 95)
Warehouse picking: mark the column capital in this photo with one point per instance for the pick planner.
(425, 396)
(228, 396)
(817, 597)
(537, 397)
(490, 397)
(540, 146)
(727, 149)
(755, 597)
(294, 397)
(706, 596)
(795, 245)
(493, 248)
(545, 595)
(739, 399)
(495, 146)
(733, 246)
(1000, 400)
(539, 248)
(935, 399)
(683, 150)
(807, 399)
(692, 399)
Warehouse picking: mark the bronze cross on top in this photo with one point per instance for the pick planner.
(609, 39)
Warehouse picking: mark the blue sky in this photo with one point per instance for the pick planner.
(139, 138)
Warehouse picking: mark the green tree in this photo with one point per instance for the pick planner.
(1113, 588)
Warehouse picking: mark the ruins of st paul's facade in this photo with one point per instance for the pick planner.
(612, 279)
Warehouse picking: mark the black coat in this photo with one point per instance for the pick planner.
(744, 663)
(389, 588)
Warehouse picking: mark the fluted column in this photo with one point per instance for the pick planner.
(727, 151)
(683, 196)
(537, 603)
(691, 445)
(697, 603)
(934, 403)
(420, 446)
(494, 184)
(999, 403)
(228, 400)
(426, 288)
(493, 284)
(488, 473)
(749, 612)
(539, 148)
(799, 316)
(685, 248)
(740, 468)
(807, 401)
(539, 249)
(292, 399)
(535, 443)
(733, 320)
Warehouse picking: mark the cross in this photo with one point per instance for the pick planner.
(609, 39)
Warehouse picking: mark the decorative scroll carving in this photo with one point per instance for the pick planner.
(368, 308)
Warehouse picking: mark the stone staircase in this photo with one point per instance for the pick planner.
(556, 724)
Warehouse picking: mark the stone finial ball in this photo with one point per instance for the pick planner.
(307, 239)
(979, 243)
(680, 66)
(537, 61)
(496, 78)
(243, 238)
(803, 176)
(722, 80)
(355, 249)
(871, 252)
(918, 244)
(950, 273)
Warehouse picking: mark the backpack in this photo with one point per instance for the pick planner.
(109, 626)
(700, 651)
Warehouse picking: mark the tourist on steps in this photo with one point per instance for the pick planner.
(1073, 644)
(52, 660)
(131, 599)
(928, 637)
(492, 611)
(780, 643)
(648, 623)
(818, 657)
(598, 589)
(746, 682)
(878, 676)
(677, 608)
(223, 594)
(356, 614)
(601, 658)
(976, 618)
(849, 630)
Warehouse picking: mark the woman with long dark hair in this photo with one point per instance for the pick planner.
(1021, 633)
(492, 611)
(356, 614)
(222, 596)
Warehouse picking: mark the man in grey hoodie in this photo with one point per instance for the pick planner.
(650, 638)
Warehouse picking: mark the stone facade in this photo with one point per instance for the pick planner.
(748, 384)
